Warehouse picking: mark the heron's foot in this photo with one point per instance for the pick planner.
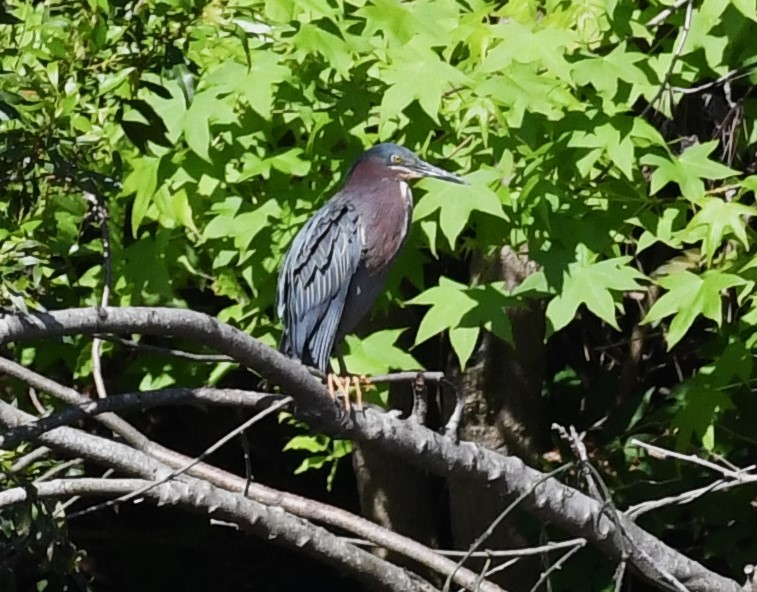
(340, 386)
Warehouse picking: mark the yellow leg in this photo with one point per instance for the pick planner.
(330, 380)
(358, 393)
(339, 387)
(345, 390)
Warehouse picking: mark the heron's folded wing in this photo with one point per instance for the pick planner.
(314, 282)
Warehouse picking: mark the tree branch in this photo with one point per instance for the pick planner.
(551, 501)
(271, 523)
(141, 400)
(297, 505)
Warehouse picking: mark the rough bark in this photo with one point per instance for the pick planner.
(503, 413)
(543, 497)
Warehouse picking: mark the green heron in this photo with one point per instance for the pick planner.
(337, 263)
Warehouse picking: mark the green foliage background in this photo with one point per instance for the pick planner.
(212, 130)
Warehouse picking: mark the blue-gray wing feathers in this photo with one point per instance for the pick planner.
(314, 283)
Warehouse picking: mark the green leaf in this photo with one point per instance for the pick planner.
(619, 148)
(308, 443)
(594, 285)
(747, 7)
(605, 72)
(449, 302)
(464, 312)
(143, 181)
(687, 170)
(715, 221)
(463, 341)
(688, 296)
(700, 410)
(378, 354)
(416, 73)
(456, 203)
(241, 227)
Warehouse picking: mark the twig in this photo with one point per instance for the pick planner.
(502, 566)
(28, 459)
(452, 427)
(492, 527)
(410, 376)
(181, 470)
(62, 467)
(177, 353)
(557, 565)
(662, 453)
(579, 451)
(420, 399)
(633, 512)
(36, 403)
(733, 477)
(595, 483)
(496, 554)
(730, 76)
(100, 212)
(676, 54)
(664, 14)
(619, 574)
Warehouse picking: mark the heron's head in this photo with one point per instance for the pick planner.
(403, 164)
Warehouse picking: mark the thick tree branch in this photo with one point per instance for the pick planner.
(297, 505)
(264, 521)
(551, 501)
(82, 486)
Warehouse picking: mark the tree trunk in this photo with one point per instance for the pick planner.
(504, 412)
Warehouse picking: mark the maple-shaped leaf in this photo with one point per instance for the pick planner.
(689, 296)
(595, 285)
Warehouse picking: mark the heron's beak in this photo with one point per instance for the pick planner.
(424, 169)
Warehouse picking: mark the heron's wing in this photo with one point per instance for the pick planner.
(314, 282)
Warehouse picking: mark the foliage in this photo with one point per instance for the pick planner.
(34, 532)
(212, 130)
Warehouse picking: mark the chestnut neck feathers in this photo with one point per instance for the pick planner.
(384, 203)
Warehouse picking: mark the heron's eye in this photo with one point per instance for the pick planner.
(396, 158)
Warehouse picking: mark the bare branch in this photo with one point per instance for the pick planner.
(29, 459)
(664, 14)
(83, 486)
(551, 501)
(58, 468)
(100, 212)
(141, 400)
(268, 522)
(408, 376)
(183, 469)
(494, 553)
(297, 505)
(557, 565)
(658, 452)
(733, 477)
(176, 353)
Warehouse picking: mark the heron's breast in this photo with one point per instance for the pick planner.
(385, 228)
